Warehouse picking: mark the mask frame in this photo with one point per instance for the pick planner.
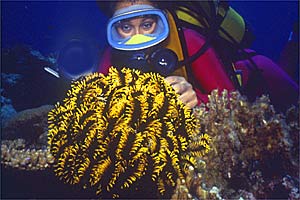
(119, 43)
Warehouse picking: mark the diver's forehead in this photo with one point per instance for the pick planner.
(138, 18)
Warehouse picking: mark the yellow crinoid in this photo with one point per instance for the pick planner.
(111, 132)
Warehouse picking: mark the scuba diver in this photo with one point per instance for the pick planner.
(196, 55)
(134, 38)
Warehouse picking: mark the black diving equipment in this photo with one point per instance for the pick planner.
(161, 60)
(77, 58)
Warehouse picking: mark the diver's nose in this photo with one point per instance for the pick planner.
(137, 30)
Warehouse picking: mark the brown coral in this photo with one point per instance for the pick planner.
(252, 151)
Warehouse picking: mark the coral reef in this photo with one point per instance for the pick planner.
(254, 151)
(14, 153)
(29, 151)
(118, 132)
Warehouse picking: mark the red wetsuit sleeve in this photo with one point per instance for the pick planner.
(105, 62)
(207, 70)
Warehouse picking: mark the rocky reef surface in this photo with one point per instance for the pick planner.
(24, 82)
(254, 149)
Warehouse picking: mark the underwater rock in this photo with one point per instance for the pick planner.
(22, 59)
(7, 110)
(123, 135)
(39, 55)
(26, 82)
(28, 124)
(10, 79)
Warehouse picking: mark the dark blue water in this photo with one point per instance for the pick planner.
(271, 22)
(48, 25)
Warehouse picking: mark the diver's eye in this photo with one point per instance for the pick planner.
(126, 28)
(147, 25)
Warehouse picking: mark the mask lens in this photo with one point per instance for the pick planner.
(145, 25)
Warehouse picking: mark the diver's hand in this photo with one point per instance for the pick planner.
(184, 89)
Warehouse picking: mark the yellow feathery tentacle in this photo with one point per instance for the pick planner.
(98, 170)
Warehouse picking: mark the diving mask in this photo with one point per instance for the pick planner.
(137, 27)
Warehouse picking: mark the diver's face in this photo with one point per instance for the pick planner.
(137, 25)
